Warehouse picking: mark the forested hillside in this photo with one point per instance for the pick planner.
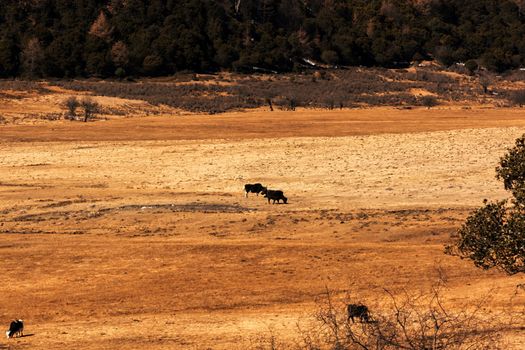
(103, 38)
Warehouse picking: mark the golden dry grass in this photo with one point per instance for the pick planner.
(135, 233)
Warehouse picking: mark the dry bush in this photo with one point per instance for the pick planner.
(462, 68)
(517, 97)
(429, 76)
(51, 116)
(21, 86)
(269, 341)
(405, 320)
(428, 101)
(413, 321)
(71, 104)
(515, 75)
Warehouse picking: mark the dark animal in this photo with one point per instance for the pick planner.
(15, 328)
(275, 196)
(254, 188)
(358, 311)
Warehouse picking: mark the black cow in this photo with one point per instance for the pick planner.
(275, 196)
(359, 311)
(254, 188)
(15, 328)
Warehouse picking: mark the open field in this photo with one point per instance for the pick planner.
(135, 233)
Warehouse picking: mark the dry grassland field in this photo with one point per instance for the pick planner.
(135, 233)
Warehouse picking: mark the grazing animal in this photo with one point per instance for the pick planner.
(275, 196)
(15, 328)
(254, 188)
(358, 311)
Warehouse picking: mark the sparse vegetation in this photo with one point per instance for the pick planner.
(22, 86)
(405, 320)
(329, 89)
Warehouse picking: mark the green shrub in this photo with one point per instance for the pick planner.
(494, 235)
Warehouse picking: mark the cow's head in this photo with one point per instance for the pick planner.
(264, 190)
(7, 334)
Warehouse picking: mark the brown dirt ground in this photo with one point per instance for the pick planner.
(135, 233)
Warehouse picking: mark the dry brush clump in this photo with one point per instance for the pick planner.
(429, 101)
(71, 104)
(23, 86)
(410, 321)
(517, 97)
(318, 89)
(403, 320)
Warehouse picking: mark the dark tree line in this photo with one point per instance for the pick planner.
(63, 38)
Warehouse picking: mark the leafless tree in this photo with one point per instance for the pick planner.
(90, 108)
(485, 82)
(72, 104)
